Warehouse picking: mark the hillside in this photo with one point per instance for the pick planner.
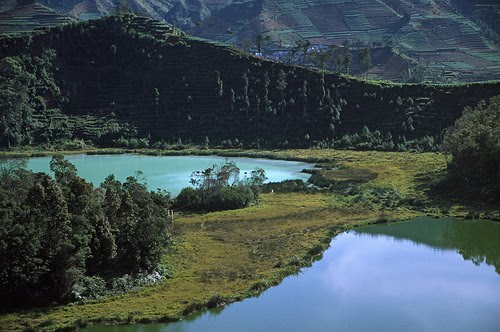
(121, 78)
(7, 5)
(431, 34)
(27, 18)
(432, 40)
(485, 13)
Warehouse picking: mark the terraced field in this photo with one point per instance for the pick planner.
(450, 46)
(447, 45)
(28, 18)
(430, 34)
(288, 21)
(7, 5)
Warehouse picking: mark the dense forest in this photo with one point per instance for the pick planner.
(133, 82)
(62, 239)
(473, 143)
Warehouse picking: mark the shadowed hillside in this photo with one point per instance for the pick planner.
(7, 5)
(29, 17)
(486, 13)
(142, 75)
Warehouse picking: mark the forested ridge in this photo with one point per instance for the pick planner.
(134, 82)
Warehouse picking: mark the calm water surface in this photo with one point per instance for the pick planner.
(422, 275)
(171, 173)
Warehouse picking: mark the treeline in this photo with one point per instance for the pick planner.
(368, 140)
(62, 239)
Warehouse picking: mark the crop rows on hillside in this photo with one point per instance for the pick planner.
(29, 18)
(448, 46)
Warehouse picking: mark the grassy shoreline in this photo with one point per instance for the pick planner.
(250, 153)
(227, 256)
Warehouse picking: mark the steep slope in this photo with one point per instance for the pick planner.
(289, 21)
(428, 37)
(185, 13)
(486, 13)
(430, 33)
(27, 18)
(6, 5)
(172, 88)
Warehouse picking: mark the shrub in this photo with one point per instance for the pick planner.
(88, 288)
(191, 308)
(81, 323)
(230, 198)
(215, 301)
(219, 188)
(259, 286)
(287, 186)
(188, 199)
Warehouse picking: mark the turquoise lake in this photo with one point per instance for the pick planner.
(171, 173)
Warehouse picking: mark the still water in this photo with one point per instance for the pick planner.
(171, 173)
(420, 275)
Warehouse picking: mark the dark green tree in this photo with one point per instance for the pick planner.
(219, 188)
(365, 58)
(346, 56)
(266, 99)
(321, 57)
(58, 237)
(123, 7)
(474, 145)
(156, 99)
(246, 98)
(15, 107)
(281, 85)
(258, 41)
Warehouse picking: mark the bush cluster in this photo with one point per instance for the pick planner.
(220, 188)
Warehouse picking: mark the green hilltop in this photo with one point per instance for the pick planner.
(119, 79)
